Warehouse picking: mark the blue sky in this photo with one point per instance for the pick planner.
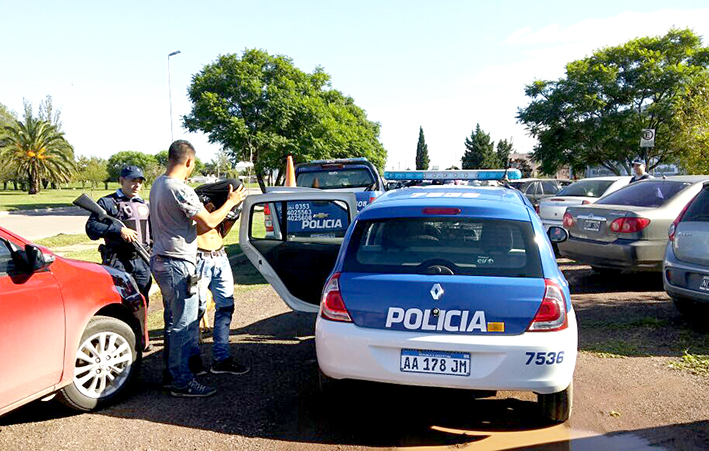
(445, 65)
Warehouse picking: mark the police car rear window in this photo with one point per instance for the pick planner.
(334, 179)
(447, 246)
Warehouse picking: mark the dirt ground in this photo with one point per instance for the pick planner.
(626, 393)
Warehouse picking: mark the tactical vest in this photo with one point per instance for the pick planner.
(135, 216)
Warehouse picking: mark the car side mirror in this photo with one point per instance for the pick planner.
(558, 234)
(31, 259)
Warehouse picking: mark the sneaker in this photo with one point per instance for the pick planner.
(196, 366)
(193, 390)
(229, 366)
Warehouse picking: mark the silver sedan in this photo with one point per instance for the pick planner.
(628, 229)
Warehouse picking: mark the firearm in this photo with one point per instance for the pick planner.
(90, 205)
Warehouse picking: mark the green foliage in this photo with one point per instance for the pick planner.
(261, 108)
(221, 166)
(479, 151)
(37, 151)
(128, 158)
(504, 150)
(594, 115)
(693, 130)
(91, 170)
(422, 160)
(161, 158)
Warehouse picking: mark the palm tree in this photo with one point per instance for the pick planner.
(37, 149)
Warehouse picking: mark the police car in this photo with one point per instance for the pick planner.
(354, 175)
(445, 286)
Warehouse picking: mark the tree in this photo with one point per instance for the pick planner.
(594, 115)
(261, 108)
(37, 150)
(421, 152)
(693, 127)
(8, 171)
(479, 151)
(504, 150)
(161, 163)
(91, 170)
(221, 166)
(118, 161)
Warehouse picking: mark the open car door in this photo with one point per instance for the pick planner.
(292, 236)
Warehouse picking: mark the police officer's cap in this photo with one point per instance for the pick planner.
(638, 162)
(132, 172)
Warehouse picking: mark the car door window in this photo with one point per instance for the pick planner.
(550, 187)
(6, 264)
(533, 189)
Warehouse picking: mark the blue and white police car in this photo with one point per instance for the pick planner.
(445, 286)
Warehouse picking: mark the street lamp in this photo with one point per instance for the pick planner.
(169, 89)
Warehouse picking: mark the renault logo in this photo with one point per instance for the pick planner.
(437, 291)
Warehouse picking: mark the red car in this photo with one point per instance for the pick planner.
(67, 327)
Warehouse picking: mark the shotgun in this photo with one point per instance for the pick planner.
(90, 205)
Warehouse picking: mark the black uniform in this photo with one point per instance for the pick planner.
(119, 253)
(637, 178)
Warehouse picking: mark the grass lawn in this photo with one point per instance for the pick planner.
(11, 200)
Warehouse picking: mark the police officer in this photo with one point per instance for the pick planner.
(127, 206)
(639, 172)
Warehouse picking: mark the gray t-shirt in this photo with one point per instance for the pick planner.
(172, 206)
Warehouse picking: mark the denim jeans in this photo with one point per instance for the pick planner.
(172, 276)
(215, 275)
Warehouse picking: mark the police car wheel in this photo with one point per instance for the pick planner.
(556, 407)
(107, 361)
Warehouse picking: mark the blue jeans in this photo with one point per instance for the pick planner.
(172, 276)
(215, 275)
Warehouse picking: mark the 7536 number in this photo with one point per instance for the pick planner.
(544, 358)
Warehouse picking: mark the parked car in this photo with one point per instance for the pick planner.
(537, 189)
(582, 192)
(354, 175)
(442, 286)
(67, 327)
(627, 229)
(686, 265)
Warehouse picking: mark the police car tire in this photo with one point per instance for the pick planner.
(72, 396)
(556, 407)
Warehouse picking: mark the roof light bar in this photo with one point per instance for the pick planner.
(473, 174)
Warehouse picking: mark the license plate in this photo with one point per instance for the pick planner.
(704, 286)
(435, 362)
(593, 226)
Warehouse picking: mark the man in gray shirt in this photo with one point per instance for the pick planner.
(175, 211)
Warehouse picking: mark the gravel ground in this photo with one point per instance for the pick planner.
(626, 394)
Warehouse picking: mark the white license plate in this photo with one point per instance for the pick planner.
(435, 362)
(593, 226)
(704, 286)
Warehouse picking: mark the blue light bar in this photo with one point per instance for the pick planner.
(472, 174)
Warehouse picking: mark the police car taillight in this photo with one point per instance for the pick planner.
(332, 306)
(552, 313)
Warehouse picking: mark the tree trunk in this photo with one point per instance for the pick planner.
(261, 183)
